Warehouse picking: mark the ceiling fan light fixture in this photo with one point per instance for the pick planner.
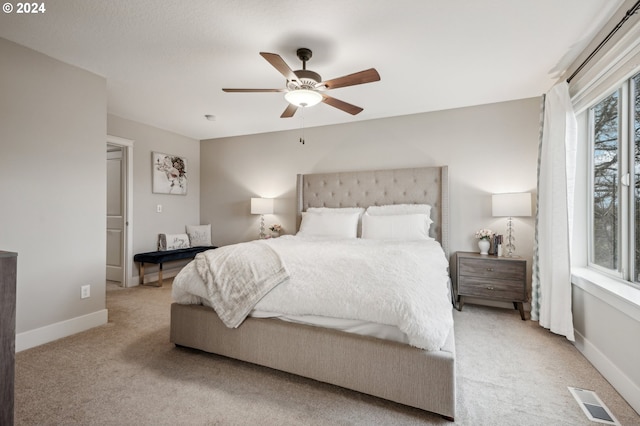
(303, 97)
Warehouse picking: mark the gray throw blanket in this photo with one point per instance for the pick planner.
(238, 276)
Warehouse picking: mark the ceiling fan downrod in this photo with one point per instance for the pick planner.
(304, 55)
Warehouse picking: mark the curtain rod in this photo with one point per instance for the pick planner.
(630, 12)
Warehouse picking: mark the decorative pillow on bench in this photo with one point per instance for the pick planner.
(199, 235)
(173, 241)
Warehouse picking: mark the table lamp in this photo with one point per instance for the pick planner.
(511, 205)
(262, 206)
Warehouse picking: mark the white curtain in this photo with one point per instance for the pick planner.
(551, 285)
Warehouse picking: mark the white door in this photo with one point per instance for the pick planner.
(116, 217)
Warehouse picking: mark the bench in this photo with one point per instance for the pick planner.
(160, 257)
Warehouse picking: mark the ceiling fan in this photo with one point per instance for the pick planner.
(305, 88)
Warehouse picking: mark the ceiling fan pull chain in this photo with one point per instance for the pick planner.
(302, 138)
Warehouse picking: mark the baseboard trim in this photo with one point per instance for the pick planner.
(49, 333)
(625, 387)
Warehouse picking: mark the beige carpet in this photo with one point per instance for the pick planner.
(510, 372)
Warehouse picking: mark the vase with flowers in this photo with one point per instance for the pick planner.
(484, 236)
(275, 230)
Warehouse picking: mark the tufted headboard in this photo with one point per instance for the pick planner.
(423, 185)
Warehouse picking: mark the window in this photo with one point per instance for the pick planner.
(614, 243)
(606, 146)
(635, 166)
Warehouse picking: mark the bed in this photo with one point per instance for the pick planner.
(388, 369)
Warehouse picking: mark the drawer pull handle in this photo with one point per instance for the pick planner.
(489, 287)
(490, 269)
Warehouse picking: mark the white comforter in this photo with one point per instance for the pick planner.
(403, 284)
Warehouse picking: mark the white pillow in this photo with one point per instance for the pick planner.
(395, 209)
(408, 227)
(343, 225)
(341, 210)
(359, 210)
(172, 241)
(199, 235)
(400, 209)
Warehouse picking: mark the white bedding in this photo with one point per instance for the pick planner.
(361, 327)
(394, 283)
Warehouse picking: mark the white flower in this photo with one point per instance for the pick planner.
(484, 234)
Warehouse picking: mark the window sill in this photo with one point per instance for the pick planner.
(616, 293)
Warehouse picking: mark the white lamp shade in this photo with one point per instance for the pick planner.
(511, 204)
(303, 97)
(261, 205)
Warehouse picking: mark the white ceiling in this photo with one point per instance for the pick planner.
(166, 61)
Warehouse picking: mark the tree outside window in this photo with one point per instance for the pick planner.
(605, 182)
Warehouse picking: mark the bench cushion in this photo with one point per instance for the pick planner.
(169, 255)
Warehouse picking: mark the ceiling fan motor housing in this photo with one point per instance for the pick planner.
(307, 80)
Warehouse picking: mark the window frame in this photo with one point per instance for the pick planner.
(626, 207)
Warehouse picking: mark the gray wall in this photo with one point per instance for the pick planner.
(52, 131)
(177, 210)
(53, 127)
(489, 149)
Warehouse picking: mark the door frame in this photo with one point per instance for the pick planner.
(127, 241)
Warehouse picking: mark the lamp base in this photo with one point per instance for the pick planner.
(510, 247)
(262, 234)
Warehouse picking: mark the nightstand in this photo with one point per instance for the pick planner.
(489, 277)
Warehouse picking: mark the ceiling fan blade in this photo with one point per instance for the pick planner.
(279, 64)
(362, 77)
(291, 109)
(252, 90)
(337, 103)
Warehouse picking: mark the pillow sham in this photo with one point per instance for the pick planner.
(337, 210)
(400, 209)
(172, 241)
(343, 225)
(341, 210)
(199, 235)
(407, 227)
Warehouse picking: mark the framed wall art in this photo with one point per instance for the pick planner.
(169, 174)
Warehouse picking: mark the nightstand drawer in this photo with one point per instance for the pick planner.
(511, 290)
(487, 268)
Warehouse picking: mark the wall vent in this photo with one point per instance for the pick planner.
(593, 407)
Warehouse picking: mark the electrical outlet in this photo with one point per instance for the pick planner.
(85, 291)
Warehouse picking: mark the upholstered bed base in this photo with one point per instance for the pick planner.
(388, 370)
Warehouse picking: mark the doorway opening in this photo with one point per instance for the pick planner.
(119, 225)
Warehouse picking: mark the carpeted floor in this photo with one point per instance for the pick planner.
(510, 372)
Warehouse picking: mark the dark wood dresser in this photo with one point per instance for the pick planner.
(8, 263)
(489, 277)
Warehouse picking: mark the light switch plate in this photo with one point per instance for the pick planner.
(85, 291)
